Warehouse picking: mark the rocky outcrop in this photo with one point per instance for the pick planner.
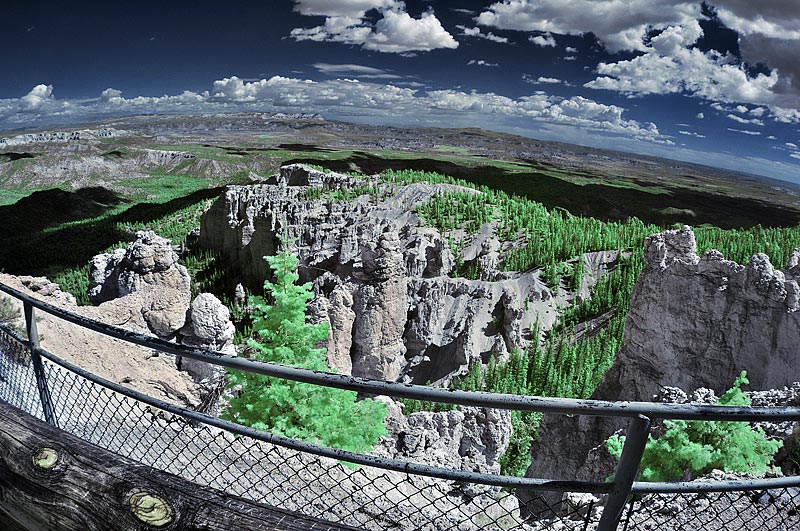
(379, 305)
(699, 321)
(455, 321)
(208, 326)
(134, 367)
(302, 175)
(42, 288)
(151, 291)
(695, 322)
(148, 268)
(408, 319)
(337, 309)
(466, 438)
(59, 136)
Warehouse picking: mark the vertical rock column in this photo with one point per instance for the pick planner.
(380, 308)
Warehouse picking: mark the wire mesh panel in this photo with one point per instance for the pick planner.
(363, 496)
(758, 510)
(17, 379)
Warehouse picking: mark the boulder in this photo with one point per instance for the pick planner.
(208, 326)
(148, 268)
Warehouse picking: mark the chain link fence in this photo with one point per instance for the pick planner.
(320, 487)
(752, 510)
(376, 493)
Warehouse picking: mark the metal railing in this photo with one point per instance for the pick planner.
(380, 492)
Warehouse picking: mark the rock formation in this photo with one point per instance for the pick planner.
(699, 321)
(695, 322)
(380, 277)
(135, 367)
(208, 326)
(466, 438)
(146, 283)
(149, 268)
(379, 305)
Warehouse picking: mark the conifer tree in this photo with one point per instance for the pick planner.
(332, 417)
(690, 448)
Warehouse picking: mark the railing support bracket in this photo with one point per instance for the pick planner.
(38, 368)
(625, 475)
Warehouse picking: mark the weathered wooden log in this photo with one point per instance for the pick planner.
(52, 480)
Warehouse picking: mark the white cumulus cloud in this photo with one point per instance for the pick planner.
(664, 32)
(398, 32)
(619, 24)
(752, 121)
(476, 32)
(481, 62)
(769, 18)
(395, 32)
(37, 97)
(541, 80)
(110, 94)
(546, 40)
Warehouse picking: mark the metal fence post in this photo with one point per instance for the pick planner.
(38, 369)
(625, 475)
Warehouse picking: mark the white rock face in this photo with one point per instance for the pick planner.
(380, 277)
(146, 282)
(466, 438)
(695, 322)
(339, 313)
(699, 321)
(208, 326)
(379, 306)
(148, 268)
(147, 279)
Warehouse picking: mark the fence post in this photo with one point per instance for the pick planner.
(627, 470)
(38, 369)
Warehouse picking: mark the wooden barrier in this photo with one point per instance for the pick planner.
(52, 480)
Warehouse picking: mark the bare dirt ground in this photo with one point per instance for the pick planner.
(138, 368)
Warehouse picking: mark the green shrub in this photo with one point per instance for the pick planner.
(9, 314)
(332, 417)
(690, 448)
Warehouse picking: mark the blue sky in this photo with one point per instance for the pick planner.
(715, 83)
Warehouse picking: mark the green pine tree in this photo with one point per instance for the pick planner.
(690, 448)
(332, 417)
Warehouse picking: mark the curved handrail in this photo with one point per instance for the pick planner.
(395, 465)
(569, 406)
(704, 485)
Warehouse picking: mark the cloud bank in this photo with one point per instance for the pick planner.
(341, 98)
(396, 32)
(664, 35)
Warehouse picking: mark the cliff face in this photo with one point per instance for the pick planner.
(699, 321)
(380, 278)
(694, 322)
